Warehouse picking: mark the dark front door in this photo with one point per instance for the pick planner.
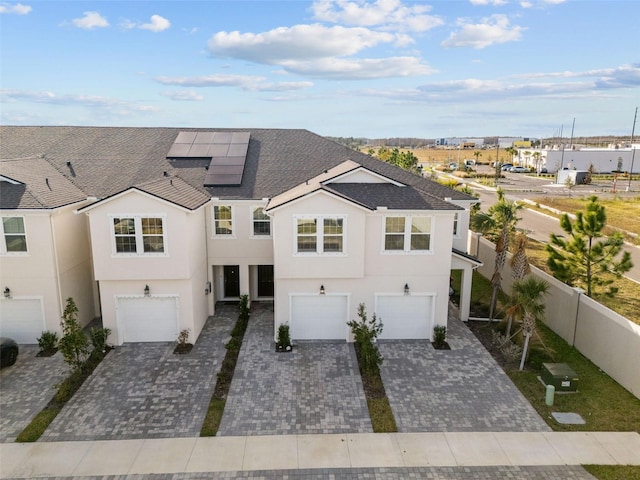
(231, 281)
(265, 280)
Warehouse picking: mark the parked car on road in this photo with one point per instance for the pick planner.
(8, 352)
(506, 167)
(519, 169)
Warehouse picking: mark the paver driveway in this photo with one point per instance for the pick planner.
(143, 390)
(315, 389)
(457, 390)
(26, 388)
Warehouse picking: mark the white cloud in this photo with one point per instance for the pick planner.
(495, 29)
(183, 96)
(359, 69)
(381, 13)
(17, 9)
(488, 2)
(300, 42)
(89, 101)
(526, 4)
(90, 21)
(157, 24)
(244, 82)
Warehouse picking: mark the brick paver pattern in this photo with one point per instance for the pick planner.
(26, 388)
(144, 390)
(457, 390)
(563, 472)
(314, 389)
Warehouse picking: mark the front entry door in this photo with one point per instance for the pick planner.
(265, 280)
(231, 281)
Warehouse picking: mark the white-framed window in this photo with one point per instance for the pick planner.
(320, 234)
(455, 225)
(139, 235)
(14, 236)
(407, 234)
(222, 221)
(261, 223)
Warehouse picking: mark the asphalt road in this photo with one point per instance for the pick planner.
(540, 226)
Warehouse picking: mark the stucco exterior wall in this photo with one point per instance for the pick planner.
(175, 263)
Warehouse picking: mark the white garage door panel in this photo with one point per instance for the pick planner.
(319, 317)
(148, 319)
(405, 316)
(21, 320)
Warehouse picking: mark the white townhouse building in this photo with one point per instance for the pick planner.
(148, 228)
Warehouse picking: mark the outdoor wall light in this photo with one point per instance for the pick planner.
(322, 292)
(147, 291)
(406, 289)
(207, 288)
(7, 292)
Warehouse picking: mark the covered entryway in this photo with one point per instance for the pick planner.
(148, 319)
(405, 316)
(22, 319)
(319, 317)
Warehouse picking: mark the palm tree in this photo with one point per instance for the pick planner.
(519, 268)
(528, 296)
(477, 154)
(536, 159)
(499, 222)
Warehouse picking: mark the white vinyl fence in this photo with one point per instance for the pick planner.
(606, 338)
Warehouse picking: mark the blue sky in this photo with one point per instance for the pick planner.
(386, 68)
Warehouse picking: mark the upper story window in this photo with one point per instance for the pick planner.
(223, 220)
(407, 234)
(138, 235)
(320, 234)
(261, 223)
(14, 237)
(455, 225)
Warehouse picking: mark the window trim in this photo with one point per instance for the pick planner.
(139, 236)
(252, 222)
(408, 222)
(456, 225)
(3, 242)
(215, 235)
(319, 235)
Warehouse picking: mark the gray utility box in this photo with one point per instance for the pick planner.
(560, 376)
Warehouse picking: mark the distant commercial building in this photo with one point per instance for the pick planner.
(604, 160)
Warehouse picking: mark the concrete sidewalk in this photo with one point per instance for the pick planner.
(294, 452)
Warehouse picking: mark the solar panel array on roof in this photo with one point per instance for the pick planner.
(227, 150)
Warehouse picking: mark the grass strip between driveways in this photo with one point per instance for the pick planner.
(225, 375)
(382, 419)
(65, 391)
(614, 472)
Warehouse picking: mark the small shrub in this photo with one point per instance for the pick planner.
(74, 344)
(365, 333)
(284, 338)
(511, 351)
(99, 338)
(439, 336)
(244, 306)
(48, 342)
(183, 345)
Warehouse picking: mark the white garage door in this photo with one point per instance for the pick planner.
(405, 316)
(319, 317)
(148, 319)
(21, 319)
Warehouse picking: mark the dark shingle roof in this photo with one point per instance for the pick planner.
(107, 160)
(373, 195)
(40, 185)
